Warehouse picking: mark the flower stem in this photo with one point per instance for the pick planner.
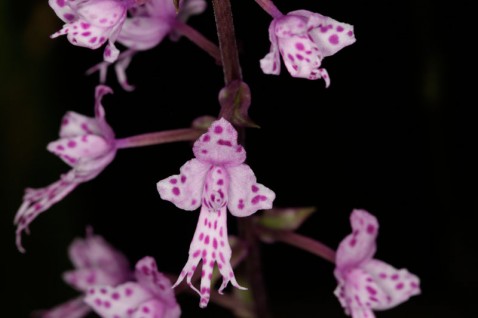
(161, 137)
(270, 8)
(197, 38)
(227, 41)
(232, 72)
(300, 241)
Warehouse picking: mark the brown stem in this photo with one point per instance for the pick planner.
(199, 39)
(232, 72)
(227, 40)
(302, 242)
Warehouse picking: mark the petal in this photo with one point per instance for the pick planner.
(219, 145)
(95, 252)
(74, 124)
(397, 285)
(246, 196)
(301, 56)
(143, 33)
(74, 308)
(82, 33)
(187, 8)
(359, 246)
(106, 131)
(150, 309)
(185, 189)
(36, 201)
(119, 302)
(81, 148)
(161, 8)
(209, 244)
(332, 36)
(120, 69)
(270, 64)
(83, 279)
(63, 10)
(358, 293)
(157, 283)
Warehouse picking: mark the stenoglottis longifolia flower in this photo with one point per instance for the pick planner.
(365, 283)
(87, 145)
(150, 296)
(216, 180)
(96, 263)
(304, 39)
(146, 28)
(91, 23)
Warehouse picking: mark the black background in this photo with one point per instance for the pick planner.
(393, 134)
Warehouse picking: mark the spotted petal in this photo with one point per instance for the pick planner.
(85, 278)
(359, 246)
(74, 124)
(185, 189)
(36, 201)
(63, 10)
(74, 308)
(150, 309)
(332, 36)
(119, 302)
(246, 196)
(95, 252)
(86, 147)
(143, 33)
(270, 64)
(158, 284)
(397, 285)
(219, 145)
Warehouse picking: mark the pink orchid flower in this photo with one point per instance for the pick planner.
(90, 23)
(151, 296)
(304, 39)
(96, 263)
(365, 283)
(216, 180)
(145, 29)
(87, 145)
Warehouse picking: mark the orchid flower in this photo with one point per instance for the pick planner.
(90, 23)
(216, 180)
(365, 283)
(150, 296)
(145, 29)
(96, 263)
(304, 39)
(87, 145)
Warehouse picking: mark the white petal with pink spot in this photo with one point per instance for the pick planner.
(219, 180)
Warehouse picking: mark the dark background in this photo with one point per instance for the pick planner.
(393, 135)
